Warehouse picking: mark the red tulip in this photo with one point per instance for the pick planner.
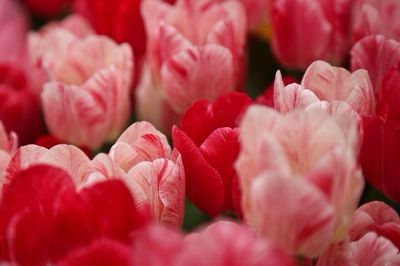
(380, 151)
(44, 218)
(295, 46)
(208, 152)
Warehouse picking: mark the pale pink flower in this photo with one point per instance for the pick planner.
(86, 98)
(373, 239)
(330, 88)
(196, 49)
(154, 173)
(372, 17)
(299, 177)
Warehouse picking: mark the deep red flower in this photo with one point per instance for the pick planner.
(20, 108)
(43, 217)
(380, 153)
(209, 152)
(47, 8)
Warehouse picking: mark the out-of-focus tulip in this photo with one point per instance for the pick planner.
(47, 8)
(154, 174)
(381, 146)
(209, 152)
(196, 49)
(258, 12)
(13, 29)
(295, 46)
(86, 100)
(374, 239)
(221, 243)
(377, 55)
(19, 106)
(372, 17)
(299, 177)
(42, 205)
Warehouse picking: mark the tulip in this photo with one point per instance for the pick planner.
(186, 63)
(380, 149)
(208, 153)
(329, 87)
(42, 205)
(47, 8)
(296, 47)
(221, 243)
(8, 145)
(299, 177)
(154, 173)
(86, 100)
(377, 55)
(373, 239)
(19, 106)
(373, 17)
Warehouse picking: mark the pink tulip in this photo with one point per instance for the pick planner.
(330, 88)
(196, 49)
(296, 45)
(377, 55)
(155, 175)
(299, 177)
(257, 13)
(374, 239)
(86, 100)
(221, 243)
(372, 17)
(13, 28)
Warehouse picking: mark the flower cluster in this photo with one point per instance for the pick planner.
(137, 132)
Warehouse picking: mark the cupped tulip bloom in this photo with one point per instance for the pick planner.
(380, 150)
(373, 17)
(374, 239)
(209, 152)
(377, 55)
(45, 218)
(196, 49)
(47, 8)
(221, 243)
(330, 88)
(328, 40)
(86, 99)
(154, 173)
(299, 177)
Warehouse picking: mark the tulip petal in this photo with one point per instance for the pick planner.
(203, 179)
(204, 72)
